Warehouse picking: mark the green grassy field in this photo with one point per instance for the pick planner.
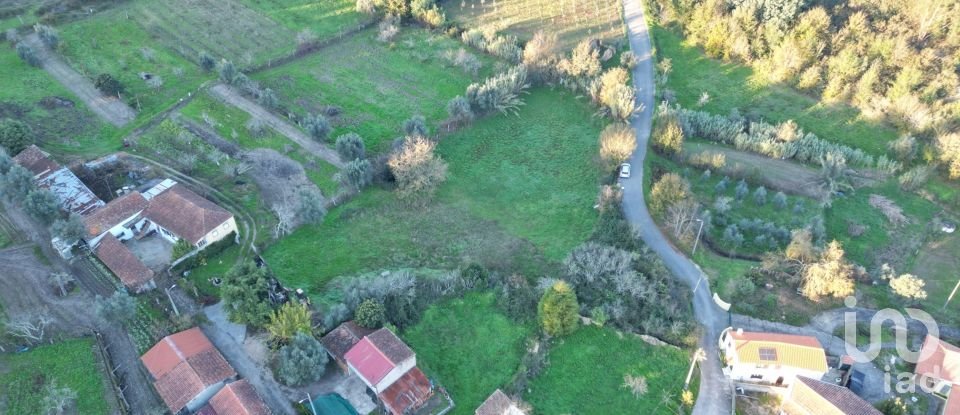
(937, 264)
(230, 123)
(534, 174)
(586, 372)
(109, 42)
(224, 28)
(571, 20)
(735, 86)
(71, 129)
(377, 85)
(214, 267)
(519, 196)
(469, 347)
(70, 363)
(325, 19)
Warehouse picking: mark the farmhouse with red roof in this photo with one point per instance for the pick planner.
(770, 358)
(815, 397)
(389, 368)
(237, 398)
(187, 370)
(939, 370)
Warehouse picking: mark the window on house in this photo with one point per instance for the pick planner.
(768, 354)
(202, 243)
(755, 376)
(216, 232)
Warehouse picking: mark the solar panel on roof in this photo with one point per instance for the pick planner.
(768, 354)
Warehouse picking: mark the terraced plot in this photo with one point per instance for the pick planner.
(324, 19)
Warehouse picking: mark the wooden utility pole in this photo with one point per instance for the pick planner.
(952, 293)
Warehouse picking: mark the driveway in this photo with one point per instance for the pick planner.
(715, 389)
(229, 339)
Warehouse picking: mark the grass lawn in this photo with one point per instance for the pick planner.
(214, 267)
(109, 42)
(62, 129)
(586, 371)
(534, 174)
(325, 19)
(735, 86)
(224, 28)
(468, 347)
(70, 363)
(230, 123)
(937, 264)
(376, 85)
(868, 248)
(571, 20)
(375, 231)
(519, 197)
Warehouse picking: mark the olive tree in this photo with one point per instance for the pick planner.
(70, 229)
(17, 183)
(415, 126)
(15, 135)
(317, 126)
(302, 361)
(357, 174)
(43, 205)
(350, 146)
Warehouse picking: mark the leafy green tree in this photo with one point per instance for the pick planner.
(292, 318)
(370, 314)
(669, 190)
(399, 8)
(28, 55)
(181, 248)
(6, 162)
(357, 174)
(617, 143)
(760, 196)
(43, 205)
(350, 146)
(418, 171)
(318, 127)
(780, 200)
(228, 71)
(302, 361)
(108, 85)
(118, 308)
(15, 136)
(207, 62)
(558, 310)
(17, 183)
(831, 276)
(70, 229)
(246, 294)
(415, 126)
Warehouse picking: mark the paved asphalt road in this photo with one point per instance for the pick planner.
(715, 390)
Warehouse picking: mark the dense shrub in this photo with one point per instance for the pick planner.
(245, 292)
(667, 191)
(415, 126)
(357, 174)
(350, 146)
(108, 85)
(500, 92)
(207, 61)
(617, 143)
(667, 134)
(370, 314)
(488, 40)
(418, 171)
(915, 178)
(558, 310)
(15, 136)
(27, 54)
(302, 361)
(459, 111)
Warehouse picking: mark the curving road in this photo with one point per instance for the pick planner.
(715, 389)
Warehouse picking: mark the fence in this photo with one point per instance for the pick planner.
(104, 354)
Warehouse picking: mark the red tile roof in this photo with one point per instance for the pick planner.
(498, 403)
(238, 398)
(118, 210)
(942, 361)
(183, 365)
(821, 398)
(408, 393)
(37, 161)
(371, 364)
(953, 402)
(374, 356)
(339, 340)
(185, 213)
(123, 263)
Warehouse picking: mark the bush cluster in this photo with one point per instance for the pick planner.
(487, 40)
(500, 92)
(770, 140)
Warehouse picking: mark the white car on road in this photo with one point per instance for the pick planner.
(625, 170)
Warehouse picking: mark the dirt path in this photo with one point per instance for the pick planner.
(777, 174)
(112, 110)
(232, 97)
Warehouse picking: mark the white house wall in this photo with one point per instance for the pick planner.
(395, 374)
(218, 233)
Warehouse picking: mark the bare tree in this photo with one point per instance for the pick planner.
(29, 328)
(56, 400)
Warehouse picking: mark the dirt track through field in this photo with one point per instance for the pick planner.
(783, 175)
(232, 97)
(111, 109)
